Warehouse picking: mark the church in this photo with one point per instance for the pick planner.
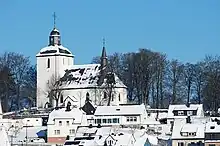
(76, 83)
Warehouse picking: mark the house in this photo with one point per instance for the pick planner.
(120, 115)
(63, 122)
(56, 62)
(182, 111)
(108, 136)
(212, 133)
(188, 131)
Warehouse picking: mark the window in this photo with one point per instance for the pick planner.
(57, 132)
(135, 119)
(63, 61)
(72, 131)
(105, 95)
(104, 121)
(180, 113)
(189, 113)
(119, 98)
(67, 123)
(180, 144)
(131, 119)
(98, 121)
(184, 133)
(48, 63)
(87, 97)
(61, 99)
(115, 120)
(109, 120)
(60, 123)
(211, 144)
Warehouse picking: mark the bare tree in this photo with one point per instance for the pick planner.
(19, 66)
(54, 92)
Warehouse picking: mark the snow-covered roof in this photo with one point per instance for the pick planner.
(30, 131)
(212, 127)
(183, 107)
(55, 50)
(85, 76)
(180, 126)
(75, 114)
(120, 110)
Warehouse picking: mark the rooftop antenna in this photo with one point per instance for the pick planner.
(54, 19)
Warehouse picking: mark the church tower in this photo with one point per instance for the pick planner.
(52, 61)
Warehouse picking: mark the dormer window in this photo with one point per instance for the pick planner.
(180, 113)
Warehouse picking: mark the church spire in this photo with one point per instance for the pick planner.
(103, 67)
(104, 56)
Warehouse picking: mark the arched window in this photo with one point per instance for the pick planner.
(87, 96)
(105, 95)
(61, 99)
(48, 63)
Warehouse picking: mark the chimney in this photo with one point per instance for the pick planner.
(188, 104)
(188, 119)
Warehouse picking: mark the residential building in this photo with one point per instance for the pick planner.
(121, 115)
(188, 132)
(182, 111)
(212, 134)
(63, 122)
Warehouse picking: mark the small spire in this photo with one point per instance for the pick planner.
(103, 42)
(54, 20)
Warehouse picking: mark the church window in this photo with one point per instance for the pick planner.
(48, 63)
(105, 95)
(119, 97)
(87, 96)
(61, 99)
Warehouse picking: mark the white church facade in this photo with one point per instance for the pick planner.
(77, 83)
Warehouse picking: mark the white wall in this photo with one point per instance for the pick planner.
(96, 96)
(44, 74)
(32, 122)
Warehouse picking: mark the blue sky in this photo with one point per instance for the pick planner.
(186, 30)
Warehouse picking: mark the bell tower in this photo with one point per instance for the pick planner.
(52, 61)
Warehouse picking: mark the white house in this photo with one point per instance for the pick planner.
(182, 111)
(212, 133)
(121, 115)
(63, 122)
(78, 81)
(188, 131)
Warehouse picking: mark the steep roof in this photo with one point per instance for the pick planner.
(85, 76)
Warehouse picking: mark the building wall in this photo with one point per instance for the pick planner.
(44, 74)
(96, 95)
(212, 143)
(186, 142)
(32, 122)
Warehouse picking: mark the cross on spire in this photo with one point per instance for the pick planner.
(103, 42)
(54, 19)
